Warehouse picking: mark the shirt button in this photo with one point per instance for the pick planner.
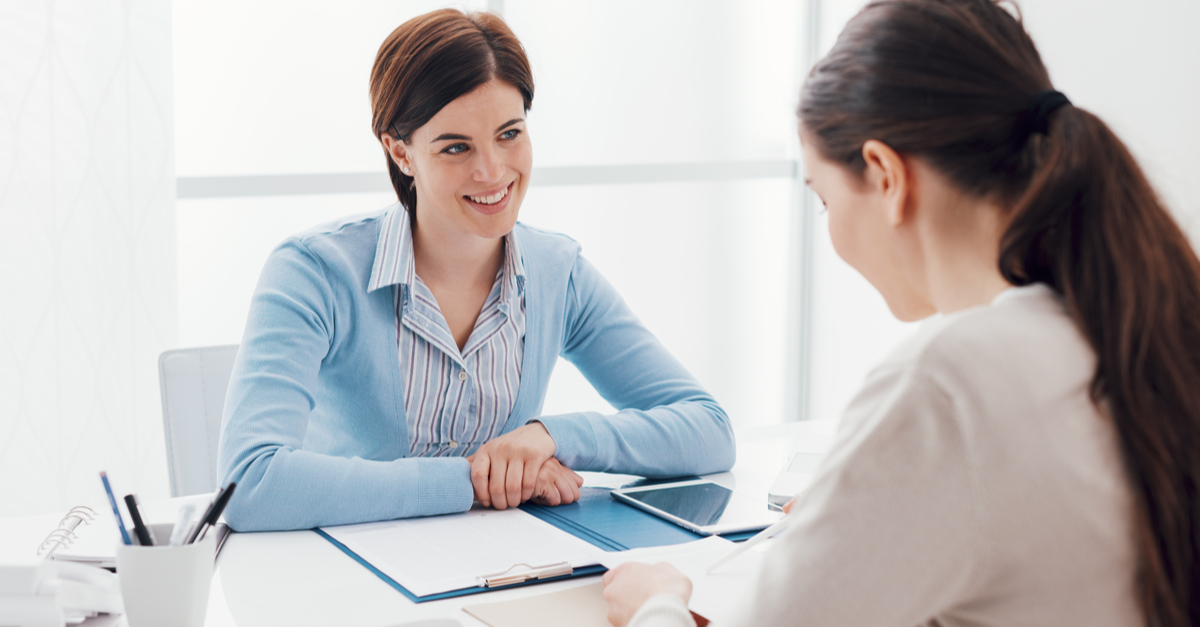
(462, 376)
(452, 444)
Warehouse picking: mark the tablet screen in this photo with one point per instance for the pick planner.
(706, 504)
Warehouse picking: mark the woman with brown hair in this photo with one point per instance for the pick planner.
(394, 364)
(1029, 458)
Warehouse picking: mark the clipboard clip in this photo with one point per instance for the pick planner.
(503, 578)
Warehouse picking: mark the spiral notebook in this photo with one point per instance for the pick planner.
(85, 534)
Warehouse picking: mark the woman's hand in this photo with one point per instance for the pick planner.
(629, 585)
(504, 471)
(556, 484)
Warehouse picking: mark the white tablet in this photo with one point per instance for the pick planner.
(702, 506)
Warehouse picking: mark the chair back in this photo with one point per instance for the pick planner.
(193, 383)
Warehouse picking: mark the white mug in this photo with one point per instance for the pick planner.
(166, 585)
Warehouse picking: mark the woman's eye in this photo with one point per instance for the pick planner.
(455, 149)
(510, 133)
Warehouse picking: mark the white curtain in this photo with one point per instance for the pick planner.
(87, 256)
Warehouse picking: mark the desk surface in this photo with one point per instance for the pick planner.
(298, 578)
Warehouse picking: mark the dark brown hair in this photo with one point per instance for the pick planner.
(429, 61)
(953, 81)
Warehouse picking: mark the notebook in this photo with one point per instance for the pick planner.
(86, 534)
(82, 535)
(579, 607)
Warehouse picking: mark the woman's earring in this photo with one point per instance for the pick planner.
(406, 170)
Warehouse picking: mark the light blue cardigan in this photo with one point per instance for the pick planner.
(315, 433)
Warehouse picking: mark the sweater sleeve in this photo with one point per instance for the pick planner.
(291, 326)
(888, 534)
(666, 424)
(663, 610)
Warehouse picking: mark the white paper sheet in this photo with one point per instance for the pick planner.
(443, 553)
(713, 595)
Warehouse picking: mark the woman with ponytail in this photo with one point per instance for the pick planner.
(1032, 456)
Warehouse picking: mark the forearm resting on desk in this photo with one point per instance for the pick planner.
(288, 489)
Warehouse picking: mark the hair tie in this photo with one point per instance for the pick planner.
(1038, 113)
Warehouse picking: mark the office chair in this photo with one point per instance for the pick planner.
(193, 383)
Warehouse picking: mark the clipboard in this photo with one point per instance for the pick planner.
(493, 581)
(482, 549)
(596, 518)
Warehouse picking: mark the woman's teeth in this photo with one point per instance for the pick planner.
(490, 200)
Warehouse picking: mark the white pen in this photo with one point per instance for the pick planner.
(745, 546)
(182, 525)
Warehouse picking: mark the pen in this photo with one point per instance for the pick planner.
(112, 500)
(180, 530)
(745, 546)
(139, 528)
(213, 513)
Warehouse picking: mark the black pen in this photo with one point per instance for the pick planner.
(214, 512)
(139, 529)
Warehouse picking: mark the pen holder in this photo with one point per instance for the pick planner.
(166, 585)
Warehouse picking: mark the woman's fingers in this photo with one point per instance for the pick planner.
(560, 486)
(629, 585)
(504, 472)
(530, 476)
(547, 487)
(512, 482)
(499, 472)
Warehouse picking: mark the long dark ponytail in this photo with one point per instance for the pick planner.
(954, 82)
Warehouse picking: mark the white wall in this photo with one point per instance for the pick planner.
(703, 263)
(87, 264)
(1136, 65)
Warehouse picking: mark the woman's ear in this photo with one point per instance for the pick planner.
(888, 175)
(398, 153)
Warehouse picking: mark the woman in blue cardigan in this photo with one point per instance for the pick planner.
(395, 364)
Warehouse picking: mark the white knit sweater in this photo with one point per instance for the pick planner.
(973, 482)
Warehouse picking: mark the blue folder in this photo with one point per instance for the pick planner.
(610, 524)
(596, 518)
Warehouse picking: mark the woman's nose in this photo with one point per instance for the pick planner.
(488, 165)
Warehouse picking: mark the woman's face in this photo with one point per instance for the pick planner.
(471, 163)
(861, 232)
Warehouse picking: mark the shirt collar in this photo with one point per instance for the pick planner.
(394, 263)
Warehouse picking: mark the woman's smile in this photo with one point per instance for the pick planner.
(490, 202)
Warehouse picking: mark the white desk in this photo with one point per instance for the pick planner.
(298, 578)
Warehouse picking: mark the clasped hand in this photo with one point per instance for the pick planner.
(520, 466)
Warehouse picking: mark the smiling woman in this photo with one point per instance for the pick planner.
(395, 364)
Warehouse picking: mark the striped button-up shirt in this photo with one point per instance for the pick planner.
(455, 400)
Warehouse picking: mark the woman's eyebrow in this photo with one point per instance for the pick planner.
(509, 123)
(445, 136)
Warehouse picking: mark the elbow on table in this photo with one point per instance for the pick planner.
(247, 509)
(239, 515)
(721, 453)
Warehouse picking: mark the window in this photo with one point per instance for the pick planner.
(663, 142)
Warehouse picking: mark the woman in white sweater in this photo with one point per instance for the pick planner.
(1032, 456)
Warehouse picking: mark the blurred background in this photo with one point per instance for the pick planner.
(152, 153)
